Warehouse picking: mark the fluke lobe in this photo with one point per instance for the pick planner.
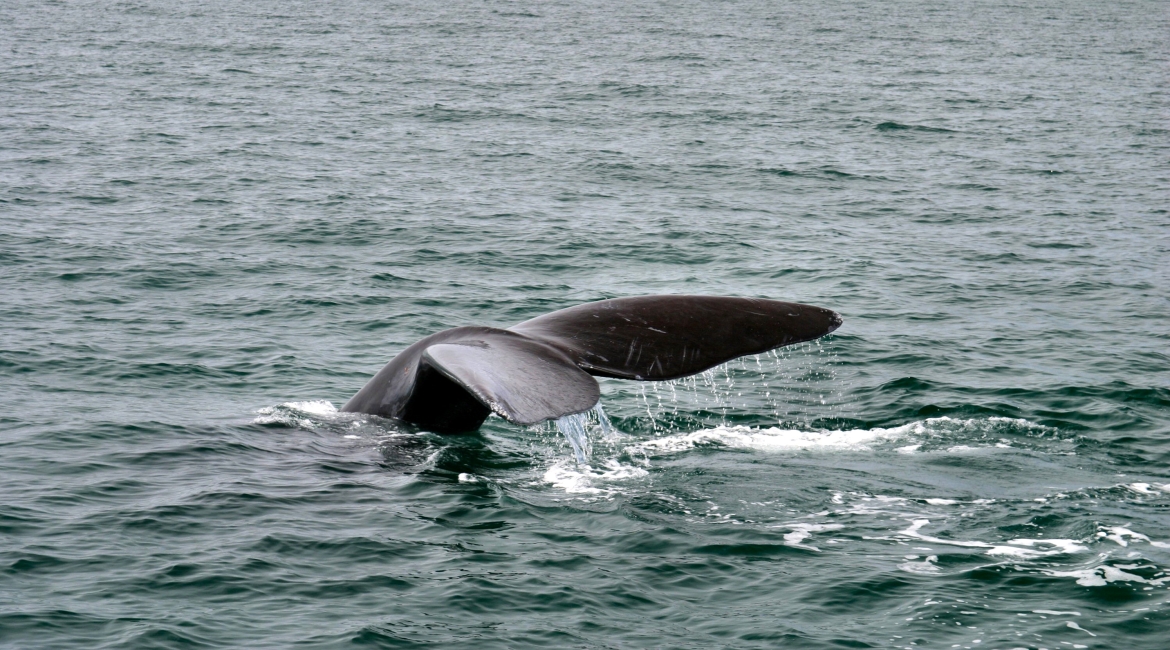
(540, 369)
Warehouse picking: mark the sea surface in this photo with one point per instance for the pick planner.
(219, 219)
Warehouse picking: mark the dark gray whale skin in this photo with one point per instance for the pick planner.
(540, 369)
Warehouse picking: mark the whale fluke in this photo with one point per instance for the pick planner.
(523, 380)
(667, 337)
(539, 370)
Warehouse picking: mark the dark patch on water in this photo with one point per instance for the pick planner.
(896, 126)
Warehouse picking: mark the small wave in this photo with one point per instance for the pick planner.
(896, 126)
(295, 414)
(778, 171)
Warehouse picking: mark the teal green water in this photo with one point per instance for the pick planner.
(218, 220)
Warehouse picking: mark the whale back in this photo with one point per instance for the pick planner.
(667, 337)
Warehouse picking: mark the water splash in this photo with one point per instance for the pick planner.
(607, 430)
(576, 428)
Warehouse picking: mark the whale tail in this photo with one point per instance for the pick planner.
(539, 370)
(521, 379)
(667, 337)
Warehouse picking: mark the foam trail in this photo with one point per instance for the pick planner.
(776, 439)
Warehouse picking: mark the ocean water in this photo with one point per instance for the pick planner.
(219, 219)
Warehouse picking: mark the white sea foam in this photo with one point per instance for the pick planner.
(876, 504)
(801, 532)
(1118, 534)
(773, 439)
(1152, 489)
(784, 439)
(316, 407)
(1022, 548)
(913, 531)
(925, 567)
(294, 413)
(1038, 548)
(575, 478)
(1100, 576)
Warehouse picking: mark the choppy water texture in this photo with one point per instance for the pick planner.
(218, 219)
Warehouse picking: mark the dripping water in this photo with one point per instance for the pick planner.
(789, 379)
(576, 429)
